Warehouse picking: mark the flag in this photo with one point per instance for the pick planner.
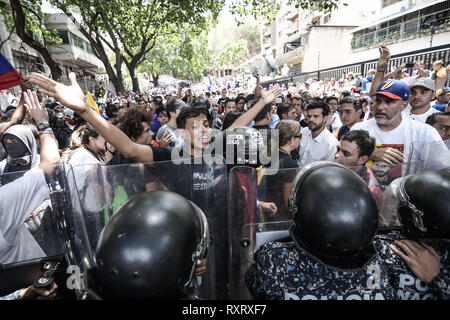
(210, 83)
(105, 97)
(9, 77)
(91, 102)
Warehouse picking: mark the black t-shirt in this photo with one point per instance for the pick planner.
(205, 185)
(343, 130)
(271, 187)
(221, 101)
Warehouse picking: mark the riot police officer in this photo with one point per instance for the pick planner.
(150, 247)
(417, 253)
(331, 255)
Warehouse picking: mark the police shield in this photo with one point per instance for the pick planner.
(258, 212)
(379, 176)
(97, 192)
(428, 156)
(31, 244)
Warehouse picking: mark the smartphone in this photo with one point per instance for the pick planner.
(409, 65)
(278, 100)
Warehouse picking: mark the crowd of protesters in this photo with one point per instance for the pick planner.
(352, 120)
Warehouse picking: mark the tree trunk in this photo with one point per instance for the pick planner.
(155, 79)
(134, 78)
(21, 32)
(114, 73)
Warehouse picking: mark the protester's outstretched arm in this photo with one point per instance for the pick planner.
(266, 98)
(72, 96)
(257, 91)
(19, 113)
(396, 74)
(49, 145)
(420, 70)
(382, 65)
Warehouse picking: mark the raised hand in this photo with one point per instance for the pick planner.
(269, 96)
(35, 109)
(71, 96)
(385, 56)
(165, 140)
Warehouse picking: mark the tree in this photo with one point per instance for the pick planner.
(182, 55)
(268, 8)
(233, 54)
(130, 28)
(27, 19)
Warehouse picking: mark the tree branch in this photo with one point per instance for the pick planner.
(10, 34)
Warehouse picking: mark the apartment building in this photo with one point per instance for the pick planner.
(308, 41)
(403, 25)
(74, 55)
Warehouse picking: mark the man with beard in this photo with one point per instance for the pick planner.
(317, 142)
(422, 92)
(391, 130)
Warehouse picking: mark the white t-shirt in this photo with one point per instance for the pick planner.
(426, 140)
(419, 117)
(85, 172)
(17, 200)
(322, 147)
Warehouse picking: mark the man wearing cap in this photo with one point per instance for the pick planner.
(419, 108)
(394, 133)
(442, 100)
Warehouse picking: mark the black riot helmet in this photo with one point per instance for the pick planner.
(335, 214)
(243, 147)
(425, 204)
(150, 247)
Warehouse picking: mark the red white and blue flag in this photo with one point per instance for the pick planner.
(9, 77)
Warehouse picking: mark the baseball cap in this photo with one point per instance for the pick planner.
(443, 91)
(424, 82)
(394, 89)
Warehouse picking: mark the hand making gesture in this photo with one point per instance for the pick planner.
(71, 96)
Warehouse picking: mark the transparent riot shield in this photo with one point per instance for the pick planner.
(97, 192)
(428, 156)
(31, 243)
(257, 212)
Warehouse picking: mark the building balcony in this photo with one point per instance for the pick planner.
(422, 26)
(68, 53)
(292, 55)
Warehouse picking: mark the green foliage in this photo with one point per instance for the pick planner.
(233, 54)
(267, 9)
(34, 21)
(134, 27)
(182, 55)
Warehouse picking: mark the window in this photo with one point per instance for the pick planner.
(64, 36)
(80, 43)
(389, 2)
